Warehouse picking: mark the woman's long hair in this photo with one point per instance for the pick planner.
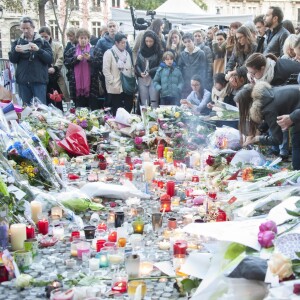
(156, 48)
(247, 48)
(169, 41)
(244, 100)
(201, 91)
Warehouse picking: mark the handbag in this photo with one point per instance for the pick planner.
(129, 85)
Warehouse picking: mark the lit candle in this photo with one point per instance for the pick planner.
(30, 232)
(164, 245)
(59, 232)
(56, 212)
(146, 267)
(102, 226)
(112, 237)
(120, 286)
(43, 226)
(18, 236)
(36, 209)
(171, 188)
(148, 171)
(103, 259)
(179, 249)
(167, 234)
(94, 264)
(82, 247)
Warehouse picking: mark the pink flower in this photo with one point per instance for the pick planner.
(210, 160)
(265, 238)
(138, 140)
(268, 226)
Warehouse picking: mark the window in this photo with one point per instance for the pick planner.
(15, 32)
(236, 10)
(75, 24)
(115, 3)
(219, 10)
(54, 29)
(97, 3)
(74, 4)
(252, 10)
(96, 29)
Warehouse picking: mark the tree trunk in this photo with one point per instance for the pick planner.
(41, 6)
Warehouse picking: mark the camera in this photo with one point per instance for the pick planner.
(151, 13)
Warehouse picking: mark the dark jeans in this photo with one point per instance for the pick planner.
(120, 100)
(296, 150)
(169, 100)
(29, 90)
(90, 102)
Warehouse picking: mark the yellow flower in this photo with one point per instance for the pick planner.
(177, 114)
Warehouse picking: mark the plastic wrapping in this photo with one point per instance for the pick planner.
(225, 138)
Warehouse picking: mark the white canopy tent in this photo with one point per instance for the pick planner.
(180, 6)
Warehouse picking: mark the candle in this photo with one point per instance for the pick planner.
(160, 184)
(180, 176)
(129, 175)
(172, 223)
(56, 212)
(102, 226)
(36, 210)
(43, 226)
(167, 234)
(103, 259)
(30, 232)
(164, 245)
(146, 267)
(112, 237)
(94, 264)
(148, 171)
(160, 150)
(3, 273)
(59, 232)
(62, 294)
(171, 188)
(111, 217)
(82, 247)
(138, 226)
(120, 286)
(195, 178)
(18, 236)
(100, 245)
(179, 249)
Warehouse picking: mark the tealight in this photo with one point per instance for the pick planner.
(164, 245)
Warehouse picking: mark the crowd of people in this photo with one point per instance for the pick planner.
(247, 65)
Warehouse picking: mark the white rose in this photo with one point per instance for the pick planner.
(280, 265)
(23, 280)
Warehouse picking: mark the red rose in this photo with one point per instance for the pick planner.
(229, 158)
(210, 160)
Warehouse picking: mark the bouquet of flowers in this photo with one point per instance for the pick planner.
(219, 161)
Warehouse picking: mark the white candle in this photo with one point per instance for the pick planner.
(58, 232)
(164, 245)
(36, 210)
(148, 170)
(180, 176)
(146, 267)
(94, 264)
(18, 236)
(56, 212)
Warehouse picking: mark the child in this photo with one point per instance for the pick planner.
(168, 80)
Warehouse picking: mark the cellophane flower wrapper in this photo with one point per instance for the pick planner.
(31, 158)
(225, 138)
(75, 141)
(251, 157)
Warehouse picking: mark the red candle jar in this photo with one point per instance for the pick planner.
(179, 249)
(120, 286)
(100, 245)
(172, 223)
(43, 226)
(129, 175)
(128, 160)
(165, 203)
(74, 235)
(3, 273)
(171, 188)
(160, 151)
(222, 217)
(102, 165)
(112, 237)
(102, 226)
(30, 232)
(212, 195)
(195, 178)
(160, 184)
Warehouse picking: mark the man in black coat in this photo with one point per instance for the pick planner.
(32, 55)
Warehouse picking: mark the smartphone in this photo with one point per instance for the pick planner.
(25, 47)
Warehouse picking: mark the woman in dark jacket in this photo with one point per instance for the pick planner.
(243, 48)
(147, 63)
(84, 63)
(263, 104)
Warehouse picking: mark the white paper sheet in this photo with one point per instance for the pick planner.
(166, 267)
(243, 232)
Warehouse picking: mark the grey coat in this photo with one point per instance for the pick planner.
(275, 39)
(271, 102)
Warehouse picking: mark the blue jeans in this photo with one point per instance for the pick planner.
(283, 149)
(295, 150)
(169, 100)
(29, 90)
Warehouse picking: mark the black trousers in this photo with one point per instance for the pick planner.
(120, 100)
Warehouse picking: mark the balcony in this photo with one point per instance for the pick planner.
(96, 8)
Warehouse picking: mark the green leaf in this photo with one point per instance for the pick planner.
(188, 284)
(234, 250)
(297, 204)
(298, 254)
(293, 213)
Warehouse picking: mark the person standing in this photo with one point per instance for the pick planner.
(32, 55)
(261, 30)
(276, 34)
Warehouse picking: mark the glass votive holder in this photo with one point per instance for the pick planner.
(133, 286)
(119, 218)
(82, 247)
(89, 232)
(172, 223)
(62, 294)
(132, 265)
(58, 231)
(100, 245)
(179, 249)
(119, 283)
(74, 245)
(94, 264)
(112, 236)
(103, 258)
(146, 267)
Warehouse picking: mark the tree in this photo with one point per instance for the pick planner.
(153, 4)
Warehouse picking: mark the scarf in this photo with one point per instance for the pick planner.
(122, 57)
(219, 95)
(147, 52)
(82, 73)
(269, 71)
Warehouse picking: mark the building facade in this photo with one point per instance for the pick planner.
(91, 14)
